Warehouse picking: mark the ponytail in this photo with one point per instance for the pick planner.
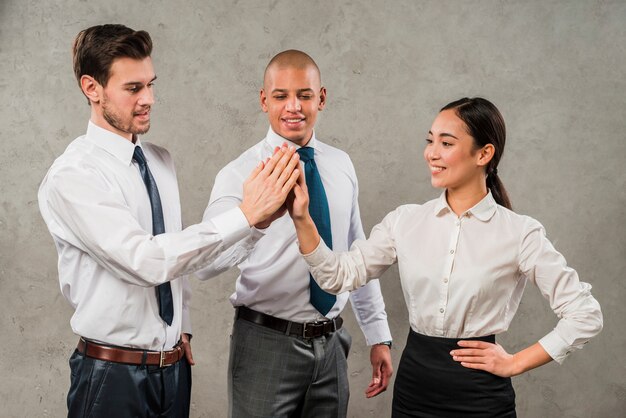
(497, 189)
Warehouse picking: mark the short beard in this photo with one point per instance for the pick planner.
(115, 121)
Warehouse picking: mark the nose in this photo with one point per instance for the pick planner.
(293, 105)
(147, 97)
(432, 152)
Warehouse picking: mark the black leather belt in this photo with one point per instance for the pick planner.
(306, 330)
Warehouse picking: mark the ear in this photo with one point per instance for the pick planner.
(322, 102)
(263, 100)
(485, 154)
(91, 88)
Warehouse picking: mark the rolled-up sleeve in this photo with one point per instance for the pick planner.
(579, 313)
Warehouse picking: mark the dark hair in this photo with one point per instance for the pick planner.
(96, 48)
(486, 125)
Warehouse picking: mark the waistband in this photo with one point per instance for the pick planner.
(304, 330)
(449, 342)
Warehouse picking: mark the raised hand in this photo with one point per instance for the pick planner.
(297, 202)
(267, 187)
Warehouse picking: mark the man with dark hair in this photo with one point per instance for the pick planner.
(288, 355)
(112, 206)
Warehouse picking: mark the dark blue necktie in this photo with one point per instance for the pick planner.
(163, 291)
(318, 208)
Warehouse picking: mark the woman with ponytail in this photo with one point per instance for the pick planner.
(464, 260)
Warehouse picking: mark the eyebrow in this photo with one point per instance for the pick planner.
(307, 90)
(444, 134)
(134, 83)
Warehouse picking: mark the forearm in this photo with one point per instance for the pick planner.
(308, 237)
(529, 358)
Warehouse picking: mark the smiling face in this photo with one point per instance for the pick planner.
(292, 97)
(451, 153)
(124, 105)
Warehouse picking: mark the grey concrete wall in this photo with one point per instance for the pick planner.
(555, 69)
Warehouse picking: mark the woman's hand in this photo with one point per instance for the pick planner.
(494, 359)
(298, 200)
(485, 356)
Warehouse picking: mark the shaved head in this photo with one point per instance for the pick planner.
(291, 58)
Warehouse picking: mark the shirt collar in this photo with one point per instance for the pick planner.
(275, 140)
(112, 143)
(483, 210)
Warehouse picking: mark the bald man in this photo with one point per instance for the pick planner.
(288, 346)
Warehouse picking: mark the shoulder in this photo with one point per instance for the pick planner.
(328, 151)
(408, 214)
(157, 151)
(77, 158)
(244, 164)
(517, 223)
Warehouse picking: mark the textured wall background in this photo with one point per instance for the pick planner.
(554, 68)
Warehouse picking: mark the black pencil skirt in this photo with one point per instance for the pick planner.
(429, 384)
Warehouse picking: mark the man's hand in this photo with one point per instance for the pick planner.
(382, 369)
(187, 347)
(267, 187)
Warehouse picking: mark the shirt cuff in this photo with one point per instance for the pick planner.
(376, 332)
(556, 347)
(232, 226)
(318, 255)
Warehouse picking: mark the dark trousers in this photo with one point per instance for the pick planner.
(273, 375)
(429, 384)
(103, 389)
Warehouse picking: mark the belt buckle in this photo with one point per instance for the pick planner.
(162, 359)
(312, 327)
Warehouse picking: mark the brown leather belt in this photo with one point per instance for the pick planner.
(306, 330)
(129, 355)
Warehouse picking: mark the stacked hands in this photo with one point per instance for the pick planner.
(266, 189)
(276, 186)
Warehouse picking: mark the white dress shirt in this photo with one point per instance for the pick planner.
(97, 209)
(464, 276)
(274, 278)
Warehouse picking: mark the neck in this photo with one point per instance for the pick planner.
(464, 198)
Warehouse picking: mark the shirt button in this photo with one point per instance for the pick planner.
(451, 251)
(445, 280)
(457, 223)
(441, 310)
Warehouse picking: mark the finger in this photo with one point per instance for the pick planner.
(293, 179)
(188, 354)
(466, 359)
(282, 163)
(374, 390)
(468, 352)
(302, 181)
(256, 171)
(291, 165)
(477, 366)
(271, 162)
(474, 344)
